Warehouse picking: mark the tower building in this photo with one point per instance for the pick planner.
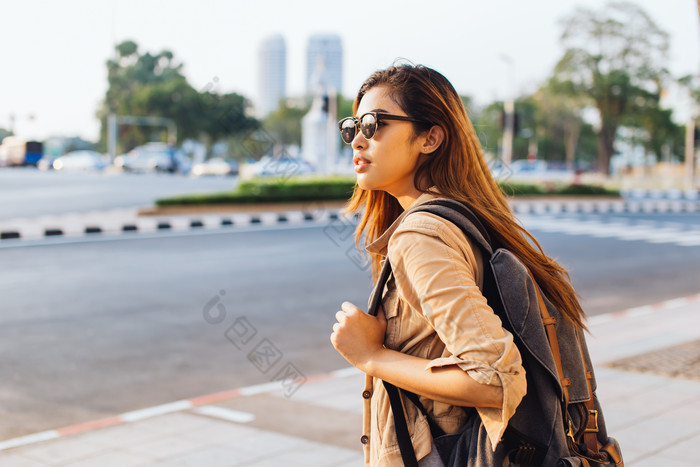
(272, 74)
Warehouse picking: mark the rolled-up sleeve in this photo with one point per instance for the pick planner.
(437, 279)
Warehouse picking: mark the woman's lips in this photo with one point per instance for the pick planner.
(361, 164)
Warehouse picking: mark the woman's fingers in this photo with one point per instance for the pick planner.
(350, 308)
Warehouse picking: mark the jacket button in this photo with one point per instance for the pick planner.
(364, 439)
(366, 394)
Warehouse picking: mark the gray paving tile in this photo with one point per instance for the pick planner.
(688, 412)
(337, 393)
(684, 451)
(616, 385)
(676, 361)
(111, 459)
(221, 432)
(270, 445)
(171, 423)
(653, 401)
(12, 459)
(118, 436)
(319, 455)
(301, 419)
(357, 461)
(265, 463)
(211, 456)
(617, 418)
(654, 434)
(60, 451)
(629, 453)
(638, 334)
(163, 448)
(659, 460)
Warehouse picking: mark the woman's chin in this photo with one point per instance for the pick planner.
(363, 183)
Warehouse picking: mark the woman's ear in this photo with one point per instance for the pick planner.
(433, 139)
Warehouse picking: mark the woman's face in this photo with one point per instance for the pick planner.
(389, 160)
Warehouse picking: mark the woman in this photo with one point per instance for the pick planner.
(436, 335)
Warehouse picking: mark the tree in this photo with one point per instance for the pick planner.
(284, 124)
(611, 56)
(3, 133)
(153, 85)
(486, 122)
(657, 132)
(559, 122)
(224, 115)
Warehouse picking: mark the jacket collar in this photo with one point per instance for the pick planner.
(379, 246)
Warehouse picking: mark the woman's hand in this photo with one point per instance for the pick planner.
(357, 336)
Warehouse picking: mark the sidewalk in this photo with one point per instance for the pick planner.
(654, 416)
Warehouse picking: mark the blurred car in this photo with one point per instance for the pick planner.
(530, 170)
(282, 167)
(215, 166)
(151, 157)
(81, 161)
(46, 162)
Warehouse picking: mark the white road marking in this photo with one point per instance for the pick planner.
(225, 414)
(157, 410)
(29, 439)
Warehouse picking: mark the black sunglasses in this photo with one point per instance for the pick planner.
(367, 124)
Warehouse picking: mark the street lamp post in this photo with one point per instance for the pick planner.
(690, 146)
(690, 155)
(509, 111)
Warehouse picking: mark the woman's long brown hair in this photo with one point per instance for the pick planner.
(458, 170)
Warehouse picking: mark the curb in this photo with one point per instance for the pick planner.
(163, 409)
(213, 221)
(645, 310)
(173, 223)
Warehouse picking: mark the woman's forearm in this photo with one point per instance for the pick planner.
(450, 384)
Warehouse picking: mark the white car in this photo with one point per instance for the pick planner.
(537, 170)
(81, 161)
(215, 166)
(151, 157)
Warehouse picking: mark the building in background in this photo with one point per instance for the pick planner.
(324, 62)
(272, 74)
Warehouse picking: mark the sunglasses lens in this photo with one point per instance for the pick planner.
(368, 125)
(347, 130)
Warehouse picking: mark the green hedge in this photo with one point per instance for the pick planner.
(340, 188)
(555, 189)
(273, 191)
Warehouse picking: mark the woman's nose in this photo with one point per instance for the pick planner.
(359, 141)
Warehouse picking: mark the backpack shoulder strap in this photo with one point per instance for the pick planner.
(462, 217)
(375, 299)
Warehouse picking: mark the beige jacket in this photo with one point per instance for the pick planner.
(435, 310)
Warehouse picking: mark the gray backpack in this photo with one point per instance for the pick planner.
(559, 422)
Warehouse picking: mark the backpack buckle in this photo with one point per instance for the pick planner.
(570, 433)
(590, 429)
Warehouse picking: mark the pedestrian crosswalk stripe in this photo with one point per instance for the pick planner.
(647, 231)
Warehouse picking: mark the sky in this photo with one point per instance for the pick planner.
(53, 74)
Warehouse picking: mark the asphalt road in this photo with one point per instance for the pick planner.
(89, 329)
(93, 329)
(28, 192)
